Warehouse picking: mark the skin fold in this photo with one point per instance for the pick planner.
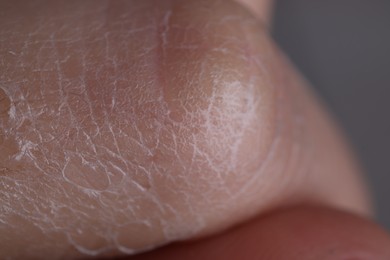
(127, 125)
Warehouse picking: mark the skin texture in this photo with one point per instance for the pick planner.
(126, 125)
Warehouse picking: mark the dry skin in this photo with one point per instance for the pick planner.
(125, 125)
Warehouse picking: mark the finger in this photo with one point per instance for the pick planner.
(303, 232)
(126, 125)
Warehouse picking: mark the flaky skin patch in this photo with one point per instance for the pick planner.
(126, 125)
(119, 132)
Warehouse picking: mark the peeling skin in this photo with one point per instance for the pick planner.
(125, 125)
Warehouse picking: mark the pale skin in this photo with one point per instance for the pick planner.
(129, 125)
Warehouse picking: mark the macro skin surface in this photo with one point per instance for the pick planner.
(125, 125)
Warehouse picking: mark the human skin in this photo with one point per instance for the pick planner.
(298, 233)
(127, 125)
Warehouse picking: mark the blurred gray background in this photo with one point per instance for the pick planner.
(343, 48)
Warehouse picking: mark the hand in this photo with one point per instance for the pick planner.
(128, 125)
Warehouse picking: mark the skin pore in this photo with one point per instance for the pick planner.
(128, 125)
